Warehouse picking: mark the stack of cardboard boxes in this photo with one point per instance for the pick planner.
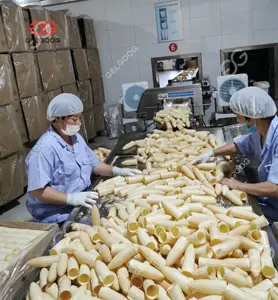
(32, 73)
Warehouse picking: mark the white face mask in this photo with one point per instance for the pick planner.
(71, 129)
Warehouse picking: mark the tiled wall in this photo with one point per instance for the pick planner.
(209, 25)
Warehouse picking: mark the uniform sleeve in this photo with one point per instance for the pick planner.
(93, 158)
(245, 145)
(40, 170)
(273, 170)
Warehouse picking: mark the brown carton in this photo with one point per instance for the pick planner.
(89, 120)
(88, 37)
(52, 94)
(71, 89)
(98, 91)
(27, 74)
(11, 178)
(99, 117)
(3, 40)
(16, 28)
(49, 70)
(59, 17)
(8, 87)
(74, 36)
(42, 15)
(94, 63)
(81, 64)
(65, 67)
(24, 151)
(34, 110)
(10, 139)
(85, 93)
(83, 131)
(20, 121)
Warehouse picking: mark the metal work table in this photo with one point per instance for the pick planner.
(117, 155)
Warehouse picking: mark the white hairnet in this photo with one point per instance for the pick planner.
(64, 105)
(253, 102)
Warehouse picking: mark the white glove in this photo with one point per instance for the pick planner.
(203, 158)
(125, 171)
(86, 199)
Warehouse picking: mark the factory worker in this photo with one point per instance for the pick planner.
(59, 167)
(255, 105)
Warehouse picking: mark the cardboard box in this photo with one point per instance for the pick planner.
(89, 120)
(11, 178)
(74, 36)
(99, 117)
(42, 15)
(16, 29)
(10, 140)
(83, 131)
(52, 94)
(27, 74)
(94, 63)
(17, 274)
(34, 110)
(59, 17)
(71, 89)
(87, 33)
(20, 121)
(49, 70)
(65, 67)
(85, 94)
(80, 64)
(3, 40)
(23, 153)
(8, 87)
(98, 91)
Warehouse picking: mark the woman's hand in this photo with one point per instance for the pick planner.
(86, 199)
(231, 183)
(125, 172)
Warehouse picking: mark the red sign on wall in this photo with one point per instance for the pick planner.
(173, 47)
(42, 27)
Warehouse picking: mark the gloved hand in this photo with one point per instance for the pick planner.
(203, 158)
(86, 199)
(125, 171)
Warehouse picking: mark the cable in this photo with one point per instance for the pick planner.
(147, 126)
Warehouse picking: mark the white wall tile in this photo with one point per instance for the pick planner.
(119, 18)
(117, 4)
(186, 29)
(212, 44)
(146, 52)
(237, 39)
(145, 72)
(185, 7)
(126, 54)
(146, 34)
(196, 45)
(122, 37)
(229, 6)
(204, 8)
(263, 3)
(103, 40)
(144, 15)
(266, 18)
(136, 3)
(266, 36)
(185, 47)
(207, 26)
(236, 22)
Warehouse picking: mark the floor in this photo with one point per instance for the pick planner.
(16, 209)
(165, 76)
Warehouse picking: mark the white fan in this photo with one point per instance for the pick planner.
(132, 93)
(228, 85)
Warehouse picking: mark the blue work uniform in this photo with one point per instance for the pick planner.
(267, 158)
(53, 162)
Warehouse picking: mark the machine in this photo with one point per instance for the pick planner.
(153, 100)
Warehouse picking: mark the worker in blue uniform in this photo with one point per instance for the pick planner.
(258, 108)
(59, 167)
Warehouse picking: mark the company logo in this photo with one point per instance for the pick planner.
(42, 27)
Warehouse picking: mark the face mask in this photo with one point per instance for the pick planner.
(249, 129)
(71, 129)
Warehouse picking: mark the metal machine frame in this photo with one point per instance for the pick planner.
(225, 52)
(154, 60)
